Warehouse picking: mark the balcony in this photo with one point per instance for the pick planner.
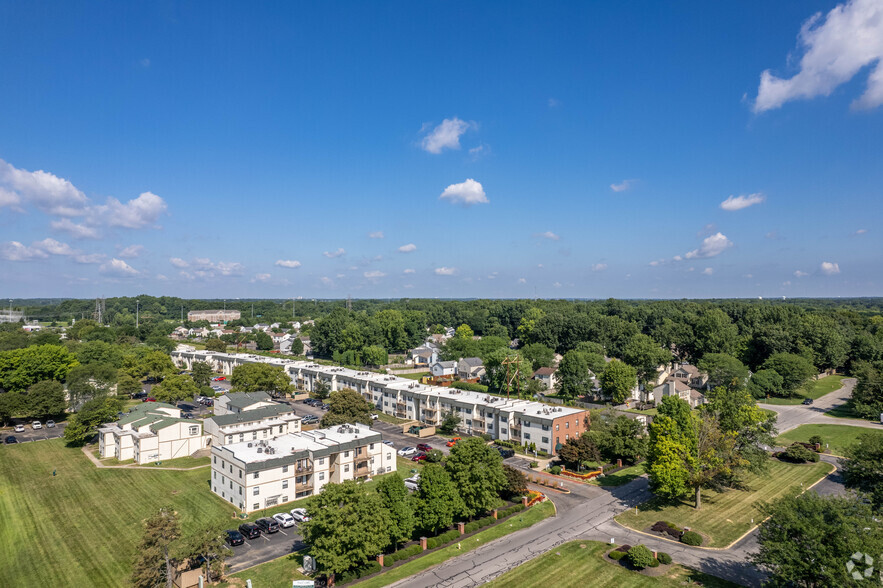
(362, 469)
(304, 468)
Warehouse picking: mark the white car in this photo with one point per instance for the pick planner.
(375, 416)
(19, 428)
(36, 425)
(413, 484)
(406, 451)
(284, 519)
(387, 442)
(299, 514)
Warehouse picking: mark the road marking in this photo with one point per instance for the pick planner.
(283, 532)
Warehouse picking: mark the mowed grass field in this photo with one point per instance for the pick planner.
(583, 563)
(726, 516)
(838, 437)
(815, 389)
(82, 526)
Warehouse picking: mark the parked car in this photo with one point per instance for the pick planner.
(299, 514)
(10, 439)
(387, 442)
(452, 442)
(186, 415)
(150, 399)
(139, 395)
(36, 425)
(413, 483)
(267, 525)
(419, 457)
(219, 378)
(50, 424)
(424, 447)
(284, 519)
(19, 428)
(310, 420)
(325, 406)
(807, 400)
(505, 452)
(250, 530)
(406, 451)
(234, 537)
(374, 416)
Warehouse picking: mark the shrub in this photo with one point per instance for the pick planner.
(409, 551)
(654, 563)
(799, 454)
(472, 527)
(431, 543)
(640, 557)
(448, 536)
(692, 538)
(486, 437)
(388, 560)
(667, 528)
(469, 386)
(534, 465)
(555, 470)
(816, 440)
(617, 555)
(485, 521)
(664, 558)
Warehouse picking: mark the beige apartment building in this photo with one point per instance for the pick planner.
(152, 431)
(214, 316)
(253, 475)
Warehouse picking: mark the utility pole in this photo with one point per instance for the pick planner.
(136, 312)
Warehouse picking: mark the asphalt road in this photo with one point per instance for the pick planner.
(792, 416)
(265, 548)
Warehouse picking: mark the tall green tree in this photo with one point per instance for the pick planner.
(264, 341)
(215, 344)
(46, 399)
(347, 527)
(867, 397)
(617, 380)
(85, 382)
(260, 377)
(863, 467)
(715, 333)
(297, 347)
(795, 370)
(201, 374)
(578, 450)
(752, 428)
(155, 563)
(765, 383)
(645, 355)
(573, 378)
(538, 355)
(476, 469)
(174, 389)
(437, 499)
(21, 368)
(724, 370)
(207, 543)
(808, 540)
(394, 497)
(347, 406)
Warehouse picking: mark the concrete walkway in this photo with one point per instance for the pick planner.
(131, 466)
(793, 415)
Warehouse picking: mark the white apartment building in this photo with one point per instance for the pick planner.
(266, 422)
(267, 473)
(153, 431)
(522, 421)
(214, 316)
(237, 402)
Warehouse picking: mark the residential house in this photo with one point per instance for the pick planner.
(470, 368)
(546, 376)
(424, 356)
(690, 375)
(443, 369)
(672, 387)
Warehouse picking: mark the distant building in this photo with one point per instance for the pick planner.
(266, 473)
(11, 316)
(546, 376)
(152, 431)
(470, 368)
(237, 402)
(443, 368)
(257, 424)
(672, 387)
(214, 316)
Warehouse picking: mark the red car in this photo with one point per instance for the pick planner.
(150, 399)
(419, 457)
(219, 379)
(424, 447)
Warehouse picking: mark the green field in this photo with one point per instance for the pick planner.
(815, 389)
(583, 563)
(838, 437)
(416, 376)
(726, 516)
(279, 572)
(623, 476)
(82, 526)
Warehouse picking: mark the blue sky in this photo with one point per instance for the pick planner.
(499, 149)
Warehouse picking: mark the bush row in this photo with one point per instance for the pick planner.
(469, 386)
(366, 569)
(401, 554)
(669, 529)
(510, 511)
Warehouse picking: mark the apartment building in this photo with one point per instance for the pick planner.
(237, 402)
(214, 316)
(267, 422)
(153, 431)
(253, 475)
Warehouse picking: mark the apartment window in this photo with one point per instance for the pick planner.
(371, 447)
(545, 439)
(566, 437)
(284, 484)
(215, 458)
(280, 428)
(389, 456)
(231, 484)
(468, 422)
(240, 474)
(265, 433)
(256, 491)
(346, 468)
(503, 431)
(527, 435)
(545, 427)
(557, 427)
(284, 499)
(567, 425)
(241, 437)
(229, 438)
(194, 430)
(257, 475)
(285, 469)
(468, 411)
(215, 475)
(256, 506)
(254, 435)
(321, 461)
(240, 490)
(321, 476)
(346, 453)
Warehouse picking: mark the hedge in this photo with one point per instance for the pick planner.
(471, 527)
(692, 538)
(664, 558)
(617, 555)
(667, 528)
(555, 470)
(469, 386)
(431, 543)
(448, 536)
(366, 569)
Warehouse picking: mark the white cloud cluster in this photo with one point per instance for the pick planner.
(332, 254)
(800, 274)
(548, 235)
(119, 268)
(409, 248)
(445, 136)
(289, 263)
(466, 193)
(711, 246)
(16, 251)
(708, 271)
(445, 271)
(261, 277)
(376, 235)
(623, 185)
(131, 251)
(829, 268)
(739, 202)
(409, 271)
(204, 268)
(835, 48)
(599, 267)
(374, 275)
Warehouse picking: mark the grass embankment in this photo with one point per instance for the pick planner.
(726, 516)
(623, 476)
(416, 376)
(181, 462)
(837, 437)
(582, 563)
(278, 572)
(386, 418)
(82, 526)
(814, 389)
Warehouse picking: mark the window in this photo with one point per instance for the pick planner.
(256, 491)
(503, 431)
(284, 499)
(229, 438)
(216, 459)
(389, 456)
(265, 433)
(321, 476)
(567, 425)
(527, 435)
(545, 427)
(194, 430)
(321, 461)
(256, 506)
(280, 428)
(257, 475)
(557, 427)
(215, 475)
(566, 437)
(240, 474)
(285, 469)
(346, 453)
(545, 439)
(254, 435)
(231, 484)
(241, 437)
(371, 447)
(284, 484)
(240, 490)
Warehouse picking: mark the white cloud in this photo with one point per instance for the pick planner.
(829, 268)
(623, 186)
(118, 267)
(708, 271)
(289, 263)
(137, 213)
(522, 281)
(46, 191)
(178, 262)
(466, 193)
(205, 268)
(548, 235)
(800, 274)
(711, 246)
(374, 275)
(376, 235)
(749, 276)
(477, 152)
(131, 251)
(9, 198)
(15, 251)
(739, 202)
(599, 267)
(90, 258)
(445, 136)
(409, 248)
(78, 231)
(54, 247)
(332, 254)
(161, 277)
(835, 48)
(557, 285)
(861, 231)
(445, 271)
(261, 277)
(145, 62)
(409, 271)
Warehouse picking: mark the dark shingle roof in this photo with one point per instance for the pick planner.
(251, 415)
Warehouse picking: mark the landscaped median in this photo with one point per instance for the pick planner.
(726, 516)
(834, 438)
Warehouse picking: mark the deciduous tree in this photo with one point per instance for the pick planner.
(347, 406)
(394, 497)
(476, 470)
(617, 380)
(174, 389)
(155, 563)
(45, 399)
(724, 370)
(863, 467)
(437, 499)
(795, 370)
(260, 377)
(201, 374)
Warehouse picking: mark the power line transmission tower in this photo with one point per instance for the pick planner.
(512, 360)
(100, 311)
(349, 302)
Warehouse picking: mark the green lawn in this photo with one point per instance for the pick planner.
(516, 522)
(387, 418)
(847, 411)
(279, 572)
(648, 412)
(815, 389)
(81, 527)
(726, 516)
(583, 563)
(838, 437)
(623, 476)
(413, 376)
(181, 462)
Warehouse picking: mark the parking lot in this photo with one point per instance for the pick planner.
(265, 547)
(30, 434)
